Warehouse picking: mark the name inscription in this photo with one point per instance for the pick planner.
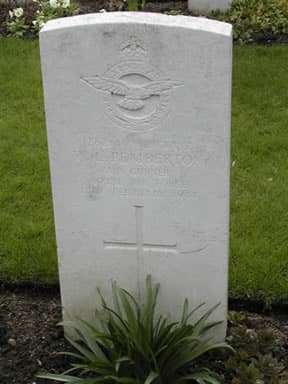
(158, 169)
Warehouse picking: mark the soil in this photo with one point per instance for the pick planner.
(30, 339)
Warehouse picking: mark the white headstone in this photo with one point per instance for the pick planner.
(208, 5)
(138, 120)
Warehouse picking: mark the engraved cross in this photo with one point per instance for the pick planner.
(140, 246)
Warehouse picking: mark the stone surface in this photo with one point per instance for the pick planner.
(138, 121)
(208, 5)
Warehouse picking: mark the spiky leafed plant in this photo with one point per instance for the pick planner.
(129, 346)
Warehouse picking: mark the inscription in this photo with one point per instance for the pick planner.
(126, 168)
(180, 192)
(170, 159)
(161, 172)
(161, 154)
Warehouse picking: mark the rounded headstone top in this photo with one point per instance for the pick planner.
(187, 22)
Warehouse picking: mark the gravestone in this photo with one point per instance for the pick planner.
(138, 121)
(208, 5)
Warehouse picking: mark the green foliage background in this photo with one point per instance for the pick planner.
(257, 20)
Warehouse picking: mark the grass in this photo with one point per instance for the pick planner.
(27, 239)
(259, 193)
(259, 177)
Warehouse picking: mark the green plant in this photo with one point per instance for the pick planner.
(53, 9)
(28, 21)
(132, 5)
(129, 346)
(135, 5)
(256, 20)
(174, 12)
(17, 26)
(258, 354)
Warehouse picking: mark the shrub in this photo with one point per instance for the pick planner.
(25, 22)
(257, 20)
(53, 9)
(128, 345)
(259, 356)
(6, 10)
(17, 26)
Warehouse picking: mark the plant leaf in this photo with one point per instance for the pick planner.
(116, 299)
(200, 323)
(58, 377)
(191, 313)
(88, 335)
(83, 350)
(121, 360)
(151, 377)
(71, 354)
(122, 380)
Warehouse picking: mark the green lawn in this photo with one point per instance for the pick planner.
(259, 191)
(27, 239)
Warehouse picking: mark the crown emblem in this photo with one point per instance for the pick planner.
(133, 48)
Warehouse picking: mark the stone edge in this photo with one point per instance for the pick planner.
(145, 18)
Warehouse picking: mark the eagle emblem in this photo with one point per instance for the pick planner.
(136, 95)
(133, 95)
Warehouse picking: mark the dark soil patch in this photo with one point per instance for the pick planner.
(30, 340)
